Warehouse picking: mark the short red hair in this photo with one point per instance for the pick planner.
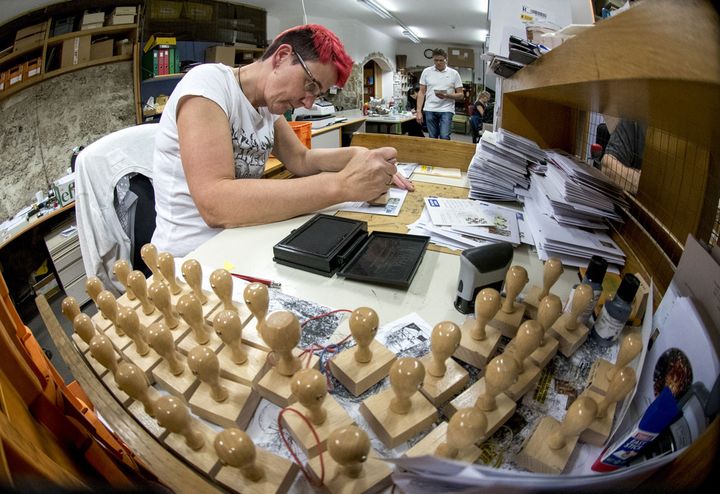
(316, 42)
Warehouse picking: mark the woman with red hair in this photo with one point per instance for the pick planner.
(220, 125)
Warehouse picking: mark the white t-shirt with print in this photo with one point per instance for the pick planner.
(179, 226)
(433, 79)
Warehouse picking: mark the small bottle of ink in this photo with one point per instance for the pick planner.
(616, 311)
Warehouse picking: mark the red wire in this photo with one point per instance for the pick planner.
(325, 315)
(292, 452)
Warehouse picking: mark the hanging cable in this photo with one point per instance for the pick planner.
(304, 13)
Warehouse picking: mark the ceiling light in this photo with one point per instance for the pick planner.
(411, 36)
(377, 8)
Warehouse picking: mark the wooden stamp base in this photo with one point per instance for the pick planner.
(569, 340)
(246, 373)
(275, 387)
(392, 428)
(146, 362)
(531, 301)
(477, 352)
(126, 302)
(80, 343)
(137, 410)
(337, 417)
(440, 389)
(504, 409)
(251, 336)
(544, 354)
(537, 456)
(174, 297)
(356, 377)
(435, 438)
(375, 476)
(109, 382)
(509, 323)
(527, 381)
(148, 319)
(243, 312)
(181, 386)
(100, 322)
(599, 430)
(100, 371)
(205, 458)
(598, 376)
(118, 342)
(279, 475)
(188, 342)
(235, 411)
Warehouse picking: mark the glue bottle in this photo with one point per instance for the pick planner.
(594, 276)
(616, 311)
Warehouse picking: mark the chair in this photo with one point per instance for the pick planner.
(115, 222)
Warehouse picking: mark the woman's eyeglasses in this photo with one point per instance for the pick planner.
(312, 86)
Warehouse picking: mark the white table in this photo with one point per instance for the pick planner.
(431, 294)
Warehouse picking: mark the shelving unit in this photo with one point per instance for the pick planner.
(47, 53)
(672, 84)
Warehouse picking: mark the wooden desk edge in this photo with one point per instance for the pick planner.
(35, 222)
(169, 469)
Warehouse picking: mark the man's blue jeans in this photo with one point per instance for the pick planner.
(439, 124)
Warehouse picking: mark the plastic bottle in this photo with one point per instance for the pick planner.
(616, 311)
(594, 276)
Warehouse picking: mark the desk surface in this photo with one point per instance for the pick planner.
(339, 125)
(431, 294)
(35, 222)
(389, 119)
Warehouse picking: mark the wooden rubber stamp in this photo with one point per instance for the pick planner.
(488, 393)
(83, 331)
(166, 265)
(137, 352)
(147, 313)
(149, 254)
(103, 351)
(409, 412)
(552, 270)
(222, 402)
(479, 338)
(525, 342)
(121, 270)
(568, 330)
(172, 373)
(622, 384)
(70, 308)
(133, 381)
(603, 371)
(257, 299)
(238, 362)
(109, 308)
(551, 444)
(444, 378)
(93, 287)
(248, 469)
(159, 293)
(548, 311)
(352, 467)
(192, 273)
(455, 439)
(190, 309)
(281, 330)
(361, 367)
(309, 387)
(222, 284)
(510, 315)
(188, 436)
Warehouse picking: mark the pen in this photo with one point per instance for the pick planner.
(252, 279)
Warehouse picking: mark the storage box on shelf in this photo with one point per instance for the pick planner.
(63, 246)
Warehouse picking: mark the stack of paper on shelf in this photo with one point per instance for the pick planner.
(501, 164)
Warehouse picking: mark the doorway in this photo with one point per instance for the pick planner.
(372, 81)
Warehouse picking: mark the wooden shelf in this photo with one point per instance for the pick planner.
(93, 32)
(20, 53)
(54, 73)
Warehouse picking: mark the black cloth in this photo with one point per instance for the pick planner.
(627, 143)
(144, 218)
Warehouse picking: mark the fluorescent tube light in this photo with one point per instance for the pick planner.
(411, 36)
(377, 8)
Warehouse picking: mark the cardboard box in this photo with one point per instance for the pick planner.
(220, 54)
(32, 68)
(75, 51)
(102, 49)
(30, 30)
(87, 27)
(165, 10)
(15, 75)
(198, 11)
(64, 188)
(461, 57)
(29, 41)
(63, 25)
(93, 18)
(125, 10)
(117, 20)
(123, 47)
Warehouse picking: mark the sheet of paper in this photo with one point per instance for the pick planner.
(438, 171)
(396, 198)
(456, 212)
(434, 179)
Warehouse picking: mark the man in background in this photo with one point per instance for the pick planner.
(440, 88)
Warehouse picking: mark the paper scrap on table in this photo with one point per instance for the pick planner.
(457, 212)
(396, 198)
(438, 171)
